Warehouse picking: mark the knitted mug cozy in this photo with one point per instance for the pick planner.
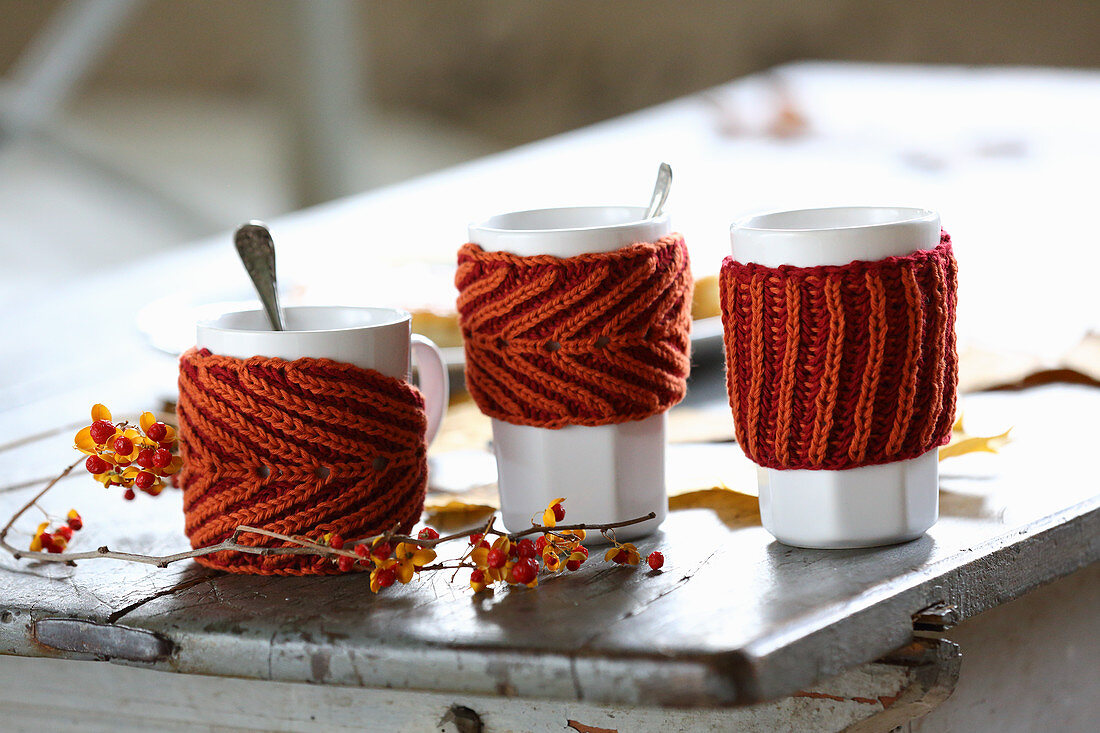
(594, 339)
(300, 447)
(838, 367)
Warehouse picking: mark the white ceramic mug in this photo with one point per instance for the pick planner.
(859, 507)
(370, 338)
(608, 473)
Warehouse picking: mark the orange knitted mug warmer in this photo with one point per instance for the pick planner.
(841, 367)
(594, 339)
(300, 447)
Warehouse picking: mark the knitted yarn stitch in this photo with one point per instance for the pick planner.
(300, 447)
(594, 339)
(841, 367)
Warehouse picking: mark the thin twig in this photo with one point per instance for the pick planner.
(28, 505)
(587, 527)
(300, 545)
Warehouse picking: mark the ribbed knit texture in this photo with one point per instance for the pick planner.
(841, 367)
(594, 339)
(300, 447)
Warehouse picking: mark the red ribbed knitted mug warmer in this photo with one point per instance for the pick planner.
(576, 328)
(841, 368)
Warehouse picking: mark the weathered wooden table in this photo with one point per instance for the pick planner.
(737, 630)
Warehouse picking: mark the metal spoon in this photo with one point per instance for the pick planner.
(660, 191)
(257, 252)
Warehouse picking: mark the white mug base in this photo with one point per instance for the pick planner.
(859, 507)
(607, 473)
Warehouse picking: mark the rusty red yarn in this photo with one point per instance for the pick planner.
(301, 448)
(595, 339)
(841, 367)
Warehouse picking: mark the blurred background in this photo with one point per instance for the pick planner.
(135, 135)
(128, 126)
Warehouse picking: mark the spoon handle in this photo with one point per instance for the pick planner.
(257, 252)
(660, 191)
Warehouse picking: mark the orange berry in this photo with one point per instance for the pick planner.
(527, 548)
(559, 512)
(345, 563)
(656, 560)
(157, 431)
(144, 480)
(162, 457)
(386, 577)
(101, 431)
(428, 534)
(497, 558)
(525, 570)
(574, 563)
(123, 445)
(145, 458)
(95, 464)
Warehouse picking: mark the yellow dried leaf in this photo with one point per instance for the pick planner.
(732, 507)
(974, 444)
(100, 412)
(456, 515)
(963, 443)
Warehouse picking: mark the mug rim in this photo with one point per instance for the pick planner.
(907, 215)
(642, 220)
(399, 316)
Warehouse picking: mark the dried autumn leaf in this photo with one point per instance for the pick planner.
(455, 515)
(975, 444)
(732, 507)
(963, 443)
(583, 728)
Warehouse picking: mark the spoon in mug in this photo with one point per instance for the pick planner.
(257, 252)
(660, 191)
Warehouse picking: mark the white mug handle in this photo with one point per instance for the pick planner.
(434, 384)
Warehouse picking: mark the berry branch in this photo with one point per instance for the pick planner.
(512, 558)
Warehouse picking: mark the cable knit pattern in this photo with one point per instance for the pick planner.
(594, 339)
(841, 367)
(300, 447)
